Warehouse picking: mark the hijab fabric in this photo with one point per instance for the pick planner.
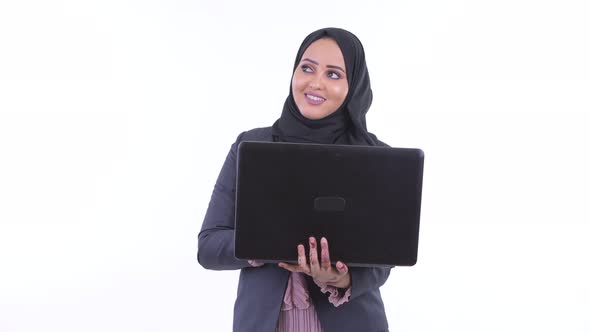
(347, 125)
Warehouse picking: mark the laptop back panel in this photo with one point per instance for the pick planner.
(364, 200)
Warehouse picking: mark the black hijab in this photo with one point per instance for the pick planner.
(345, 126)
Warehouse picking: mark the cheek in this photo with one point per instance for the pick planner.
(296, 83)
(340, 91)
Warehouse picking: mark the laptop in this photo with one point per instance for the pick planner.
(365, 200)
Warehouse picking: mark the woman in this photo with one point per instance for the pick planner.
(329, 97)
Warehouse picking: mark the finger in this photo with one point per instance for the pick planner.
(326, 264)
(313, 256)
(255, 263)
(290, 267)
(341, 267)
(302, 260)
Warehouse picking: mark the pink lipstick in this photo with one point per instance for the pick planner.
(313, 99)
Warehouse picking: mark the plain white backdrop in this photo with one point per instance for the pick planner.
(116, 116)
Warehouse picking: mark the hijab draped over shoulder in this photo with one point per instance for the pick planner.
(347, 125)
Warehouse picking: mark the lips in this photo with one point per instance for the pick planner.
(314, 99)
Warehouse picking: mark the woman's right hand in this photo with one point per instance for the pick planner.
(255, 263)
(320, 269)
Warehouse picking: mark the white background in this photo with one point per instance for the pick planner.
(116, 116)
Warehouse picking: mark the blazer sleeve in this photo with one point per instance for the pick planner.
(216, 238)
(365, 279)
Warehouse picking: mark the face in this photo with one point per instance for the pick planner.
(319, 84)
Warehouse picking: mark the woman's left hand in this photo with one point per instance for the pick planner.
(322, 272)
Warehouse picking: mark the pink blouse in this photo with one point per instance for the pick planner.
(297, 312)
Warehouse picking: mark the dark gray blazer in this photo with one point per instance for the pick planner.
(261, 289)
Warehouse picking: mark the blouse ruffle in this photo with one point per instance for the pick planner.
(297, 294)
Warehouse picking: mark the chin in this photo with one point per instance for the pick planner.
(314, 115)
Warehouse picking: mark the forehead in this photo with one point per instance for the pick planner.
(325, 51)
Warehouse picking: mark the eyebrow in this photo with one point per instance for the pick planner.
(328, 66)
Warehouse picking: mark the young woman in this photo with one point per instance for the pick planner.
(329, 98)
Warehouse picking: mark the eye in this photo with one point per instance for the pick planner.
(306, 69)
(333, 75)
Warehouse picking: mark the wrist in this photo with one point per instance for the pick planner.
(343, 282)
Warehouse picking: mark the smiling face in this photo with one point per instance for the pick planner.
(319, 85)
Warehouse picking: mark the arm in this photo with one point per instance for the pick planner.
(216, 239)
(364, 279)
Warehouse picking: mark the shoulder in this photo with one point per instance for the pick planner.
(380, 143)
(377, 141)
(256, 134)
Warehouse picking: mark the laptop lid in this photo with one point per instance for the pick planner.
(365, 200)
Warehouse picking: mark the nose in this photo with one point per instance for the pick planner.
(316, 83)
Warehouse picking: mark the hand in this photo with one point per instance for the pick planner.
(255, 263)
(323, 273)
